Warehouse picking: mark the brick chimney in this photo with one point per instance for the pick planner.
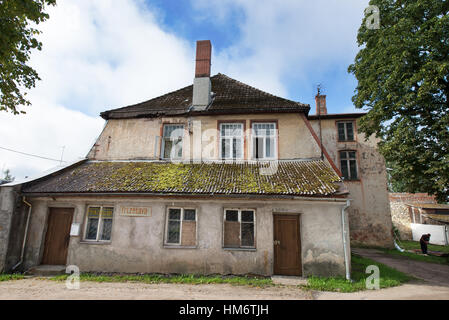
(201, 84)
(320, 101)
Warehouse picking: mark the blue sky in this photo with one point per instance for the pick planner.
(104, 54)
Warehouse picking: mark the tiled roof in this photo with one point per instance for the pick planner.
(299, 178)
(336, 116)
(231, 97)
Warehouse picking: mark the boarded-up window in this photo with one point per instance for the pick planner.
(99, 223)
(181, 227)
(238, 229)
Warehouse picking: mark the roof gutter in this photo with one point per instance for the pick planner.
(333, 199)
(345, 243)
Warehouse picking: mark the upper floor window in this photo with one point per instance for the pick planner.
(172, 141)
(231, 140)
(348, 164)
(264, 140)
(345, 131)
(99, 223)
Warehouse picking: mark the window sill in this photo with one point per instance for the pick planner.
(344, 141)
(95, 242)
(168, 246)
(239, 249)
(352, 180)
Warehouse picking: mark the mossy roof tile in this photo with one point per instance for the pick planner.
(303, 178)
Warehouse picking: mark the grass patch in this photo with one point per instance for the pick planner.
(417, 257)
(9, 277)
(411, 245)
(184, 279)
(389, 277)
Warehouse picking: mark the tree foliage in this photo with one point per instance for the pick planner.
(402, 70)
(7, 177)
(17, 39)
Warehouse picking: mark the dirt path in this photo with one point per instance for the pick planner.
(436, 274)
(434, 286)
(37, 289)
(47, 289)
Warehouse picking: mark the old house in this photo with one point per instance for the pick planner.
(216, 177)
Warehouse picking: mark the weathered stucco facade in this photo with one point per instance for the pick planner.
(140, 139)
(137, 243)
(369, 213)
(247, 187)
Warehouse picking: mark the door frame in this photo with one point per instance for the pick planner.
(47, 220)
(299, 216)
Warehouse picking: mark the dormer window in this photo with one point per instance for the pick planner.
(172, 141)
(345, 130)
(231, 141)
(264, 140)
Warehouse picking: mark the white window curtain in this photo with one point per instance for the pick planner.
(231, 140)
(172, 141)
(264, 141)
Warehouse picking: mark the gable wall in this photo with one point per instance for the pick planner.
(369, 213)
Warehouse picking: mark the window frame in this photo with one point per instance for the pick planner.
(179, 244)
(100, 224)
(239, 219)
(220, 139)
(347, 159)
(346, 130)
(275, 139)
(163, 139)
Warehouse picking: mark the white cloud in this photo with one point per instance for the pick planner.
(96, 55)
(290, 38)
(104, 54)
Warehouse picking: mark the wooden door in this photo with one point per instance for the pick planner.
(287, 245)
(58, 236)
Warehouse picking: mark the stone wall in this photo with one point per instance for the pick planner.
(8, 200)
(400, 214)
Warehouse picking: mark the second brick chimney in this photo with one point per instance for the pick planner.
(201, 84)
(320, 101)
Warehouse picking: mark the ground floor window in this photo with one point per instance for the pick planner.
(99, 223)
(238, 228)
(181, 227)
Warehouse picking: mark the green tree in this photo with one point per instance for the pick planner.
(402, 70)
(17, 39)
(7, 177)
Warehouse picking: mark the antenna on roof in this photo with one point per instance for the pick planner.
(319, 89)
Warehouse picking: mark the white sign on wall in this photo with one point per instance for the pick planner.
(75, 229)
